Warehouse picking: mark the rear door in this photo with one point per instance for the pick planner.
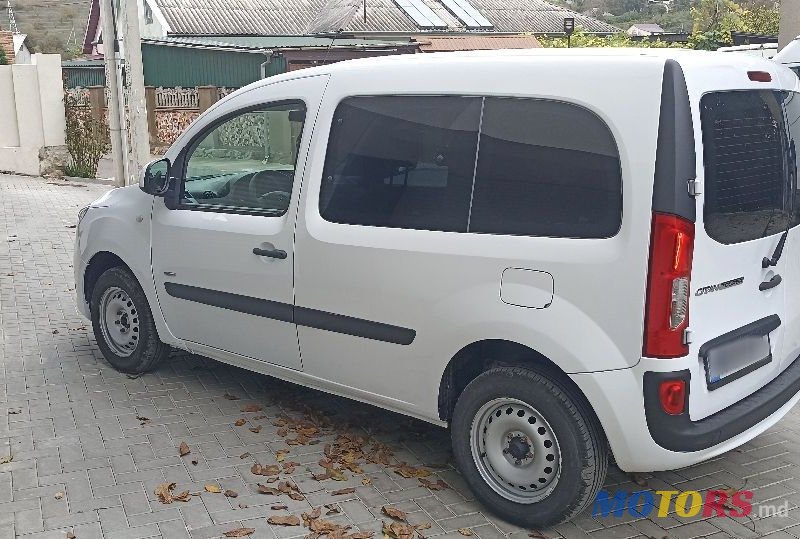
(740, 278)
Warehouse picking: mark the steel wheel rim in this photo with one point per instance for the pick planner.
(515, 450)
(119, 321)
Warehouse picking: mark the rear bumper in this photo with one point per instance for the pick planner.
(679, 433)
(644, 441)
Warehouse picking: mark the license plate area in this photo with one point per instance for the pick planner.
(738, 353)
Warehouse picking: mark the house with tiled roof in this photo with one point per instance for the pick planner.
(380, 19)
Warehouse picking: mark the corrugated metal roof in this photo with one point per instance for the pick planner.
(293, 17)
(261, 43)
(475, 43)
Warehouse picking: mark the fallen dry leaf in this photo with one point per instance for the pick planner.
(230, 397)
(14, 412)
(244, 455)
(269, 469)
(256, 429)
(465, 532)
(243, 506)
(366, 481)
(263, 489)
(59, 495)
(71, 535)
(289, 520)
(398, 530)
(279, 507)
(438, 485)
(343, 491)
(283, 431)
(639, 479)
(165, 496)
(407, 471)
(394, 513)
(231, 493)
(320, 476)
(252, 408)
(360, 535)
(183, 496)
(240, 532)
(184, 450)
(213, 489)
(280, 455)
(536, 534)
(332, 509)
(194, 463)
(239, 422)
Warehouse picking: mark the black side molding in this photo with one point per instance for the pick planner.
(233, 302)
(286, 312)
(675, 155)
(679, 433)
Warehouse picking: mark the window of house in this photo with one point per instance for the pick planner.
(545, 168)
(246, 162)
(401, 161)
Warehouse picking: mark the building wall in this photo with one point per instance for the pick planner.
(171, 66)
(7, 44)
(32, 121)
(790, 21)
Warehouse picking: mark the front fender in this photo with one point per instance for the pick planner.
(120, 223)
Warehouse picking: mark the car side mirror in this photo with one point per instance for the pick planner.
(155, 178)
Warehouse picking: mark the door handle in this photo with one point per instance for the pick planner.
(772, 283)
(271, 253)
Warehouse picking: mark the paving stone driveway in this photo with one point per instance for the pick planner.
(90, 445)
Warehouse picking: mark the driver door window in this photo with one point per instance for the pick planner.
(246, 164)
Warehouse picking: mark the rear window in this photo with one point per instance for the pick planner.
(750, 163)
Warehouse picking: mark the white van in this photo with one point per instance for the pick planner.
(761, 50)
(561, 255)
(790, 56)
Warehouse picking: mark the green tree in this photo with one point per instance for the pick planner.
(583, 39)
(761, 19)
(3, 59)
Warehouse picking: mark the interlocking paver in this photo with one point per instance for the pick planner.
(74, 430)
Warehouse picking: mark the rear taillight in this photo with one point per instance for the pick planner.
(667, 307)
(672, 394)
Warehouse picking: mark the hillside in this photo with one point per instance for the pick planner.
(49, 23)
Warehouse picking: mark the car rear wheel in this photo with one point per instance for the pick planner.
(530, 450)
(123, 323)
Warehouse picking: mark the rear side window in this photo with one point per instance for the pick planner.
(471, 164)
(750, 163)
(401, 162)
(546, 168)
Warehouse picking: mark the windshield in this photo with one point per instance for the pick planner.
(750, 163)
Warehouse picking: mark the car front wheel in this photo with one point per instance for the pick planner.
(123, 323)
(529, 449)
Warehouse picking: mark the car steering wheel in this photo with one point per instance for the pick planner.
(278, 200)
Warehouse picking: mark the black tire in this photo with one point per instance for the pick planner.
(149, 351)
(584, 452)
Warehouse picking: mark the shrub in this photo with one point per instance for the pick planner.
(87, 140)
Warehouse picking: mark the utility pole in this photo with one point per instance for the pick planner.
(137, 105)
(114, 110)
(790, 21)
(12, 21)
